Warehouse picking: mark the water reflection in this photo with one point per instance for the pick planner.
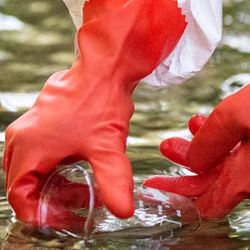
(10, 23)
(14, 102)
(29, 55)
(234, 83)
(36, 40)
(241, 43)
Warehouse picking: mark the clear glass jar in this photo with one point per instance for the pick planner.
(70, 205)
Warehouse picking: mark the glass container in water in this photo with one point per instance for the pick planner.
(70, 205)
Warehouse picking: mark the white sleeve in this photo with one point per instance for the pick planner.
(197, 44)
(75, 9)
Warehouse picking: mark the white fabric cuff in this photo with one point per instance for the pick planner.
(75, 8)
(196, 46)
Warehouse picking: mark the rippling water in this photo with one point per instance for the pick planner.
(36, 40)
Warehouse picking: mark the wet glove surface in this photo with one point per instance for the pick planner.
(83, 113)
(219, 153)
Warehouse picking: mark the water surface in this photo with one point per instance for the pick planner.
(36, 40)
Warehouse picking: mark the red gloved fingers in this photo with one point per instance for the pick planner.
(191, 186)
(196, 122)
(27, 166)
(114, 177)
(223, 130)
(220, 190)
(26, 189)
(175, 148)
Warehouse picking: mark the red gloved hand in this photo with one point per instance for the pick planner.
(219, 153)
(83, 113)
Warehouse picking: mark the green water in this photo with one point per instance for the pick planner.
(36, 39)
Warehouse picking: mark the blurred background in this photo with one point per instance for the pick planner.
(36, 39)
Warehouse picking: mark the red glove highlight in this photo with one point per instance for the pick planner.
(225, 182)
(83, 113)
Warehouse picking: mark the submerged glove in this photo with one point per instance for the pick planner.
(83, 113)
(219, 153)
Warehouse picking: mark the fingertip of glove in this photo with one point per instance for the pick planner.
(151, 182)
(120, 202)
(124, 209)
(195, 122)
(175, 149)
(164, 183)
(167, 146)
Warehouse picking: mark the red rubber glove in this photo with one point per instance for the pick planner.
(219, 153)
(83, 113)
